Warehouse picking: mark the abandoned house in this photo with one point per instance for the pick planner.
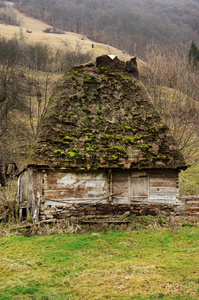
(101, 150)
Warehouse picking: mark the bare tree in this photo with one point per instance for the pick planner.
(174, 90)
(12, 100)
(72, 56)
(38, 60)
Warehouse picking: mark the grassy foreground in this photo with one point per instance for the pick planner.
(144, 264)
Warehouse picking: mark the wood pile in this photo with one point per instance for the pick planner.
(192, 203)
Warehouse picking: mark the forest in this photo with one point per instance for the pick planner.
(27, 75)
(129, 25)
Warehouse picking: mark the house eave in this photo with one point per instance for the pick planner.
(84, 169)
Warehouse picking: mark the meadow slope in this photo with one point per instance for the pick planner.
(67, 40)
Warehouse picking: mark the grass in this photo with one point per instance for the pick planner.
(144, 264)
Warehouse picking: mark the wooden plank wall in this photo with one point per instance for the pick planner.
(50, 188)
(120, 182)
(30, 192)
(25, 192)
(126, 187)
(75, 187)
(163, 186)
(158, 187)
(130, 186)
(139, 186)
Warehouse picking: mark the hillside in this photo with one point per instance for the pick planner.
(130, 26)
(67, 40)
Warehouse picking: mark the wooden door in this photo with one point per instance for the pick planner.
(130, 186)
(139, 186)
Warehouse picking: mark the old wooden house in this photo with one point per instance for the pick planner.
(102, 149)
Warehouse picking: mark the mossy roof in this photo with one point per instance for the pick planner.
(102, 117)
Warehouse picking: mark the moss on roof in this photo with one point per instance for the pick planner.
(99, 117)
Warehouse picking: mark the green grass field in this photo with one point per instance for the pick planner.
(144, 264)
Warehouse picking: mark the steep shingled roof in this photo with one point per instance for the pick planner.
(100, 116)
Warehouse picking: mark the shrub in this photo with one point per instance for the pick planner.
(8, 204)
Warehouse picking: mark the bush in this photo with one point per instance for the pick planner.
(53, 30)
(8, 204)
(8, 16)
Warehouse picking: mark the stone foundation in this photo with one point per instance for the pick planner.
(81, 210)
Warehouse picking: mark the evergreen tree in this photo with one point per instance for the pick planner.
(193, 55)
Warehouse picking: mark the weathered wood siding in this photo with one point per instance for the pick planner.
(120, 187)
(163, 187)
(158, 187)
(40, 189)
(98, 186)
(130, 186)
(78, 187)
(30, 193)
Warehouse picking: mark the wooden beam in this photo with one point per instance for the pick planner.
(189, 197)
(110, 186)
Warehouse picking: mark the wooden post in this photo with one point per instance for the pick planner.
(36, 212)
(19, 197)
(129, 186)
(110, 174)
(93, 55)
(38, 195)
